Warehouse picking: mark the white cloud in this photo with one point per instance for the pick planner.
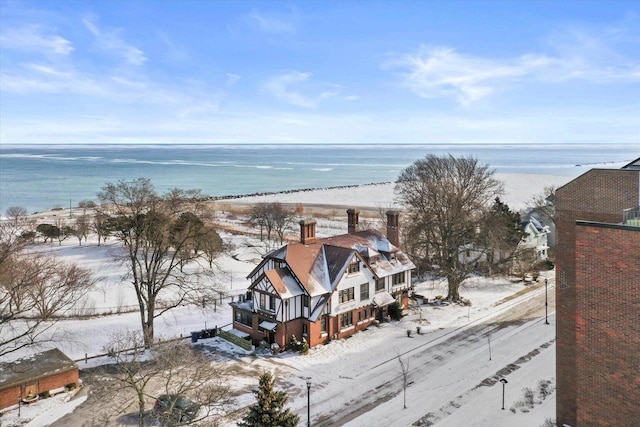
(32, 37)
(270, 23)
(48, 70)
(281, 87)
(442, 72)
(297, 88)
(232, 79)
(110, 40)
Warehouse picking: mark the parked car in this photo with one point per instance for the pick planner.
(176, 407)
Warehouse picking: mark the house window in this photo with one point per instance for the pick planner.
(380, 284)
(263, 300)
(305, 300)
(346, 295)
(324, 323)
(243, 318)
(272, 303)
(398, 278)
(305, 329)
(364, 291)
(346, 319)
(354, 267)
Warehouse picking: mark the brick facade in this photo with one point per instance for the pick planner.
(36, 374)
(10, 396)
(607, 325)
(598, 195)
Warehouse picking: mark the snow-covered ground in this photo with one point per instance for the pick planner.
(340, 367)
(518, 189)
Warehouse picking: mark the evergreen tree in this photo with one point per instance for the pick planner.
(269, 410)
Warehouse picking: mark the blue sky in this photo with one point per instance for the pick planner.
(319, 72)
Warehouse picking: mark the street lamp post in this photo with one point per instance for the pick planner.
(308, 402)
(503, 381)
(546, 303)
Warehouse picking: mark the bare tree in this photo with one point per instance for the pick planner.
(526, 263)
(158, 242)
(544, 205)
(173, 368)
(15, 213)
(446, 198)
(404, 366)
(55, 287)
(133, 369)
(187, 371)
(12, 233)
(35, 290)
(81, 228)
(272, 217)
(260, 218)
(282, 218)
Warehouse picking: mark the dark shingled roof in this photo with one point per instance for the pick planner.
(35, 367)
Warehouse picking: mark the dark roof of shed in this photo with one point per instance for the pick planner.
(40, 365)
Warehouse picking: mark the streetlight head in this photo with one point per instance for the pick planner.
(308, 382)
(503, 381)
(545, 281)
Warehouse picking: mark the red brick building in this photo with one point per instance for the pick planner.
(34, 375)
(319, 289)
(598, 299)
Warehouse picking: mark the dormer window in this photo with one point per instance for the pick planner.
(354, 267)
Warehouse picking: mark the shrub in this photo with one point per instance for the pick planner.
(549, 422)
(70, 386)
(544, 389)
(546, 265)
(304, 349)
(395, 312)
(529, 397)
(45, 395)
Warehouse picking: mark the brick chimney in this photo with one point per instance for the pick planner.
(307, 231)
(393, 230)
(352, 221)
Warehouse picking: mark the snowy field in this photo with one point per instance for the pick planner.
(341, 369)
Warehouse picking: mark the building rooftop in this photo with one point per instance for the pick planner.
(34, 367)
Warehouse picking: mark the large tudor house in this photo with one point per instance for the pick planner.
(325, 288)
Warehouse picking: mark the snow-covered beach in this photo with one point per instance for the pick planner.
(518, 189)
(89, 336)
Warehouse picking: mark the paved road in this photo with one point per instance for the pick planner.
(456, 353)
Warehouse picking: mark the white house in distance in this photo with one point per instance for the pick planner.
(325, 288)
(536, 237)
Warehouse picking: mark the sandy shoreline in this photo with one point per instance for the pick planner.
(519, 188)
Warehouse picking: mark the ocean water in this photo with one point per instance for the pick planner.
(43, 177)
